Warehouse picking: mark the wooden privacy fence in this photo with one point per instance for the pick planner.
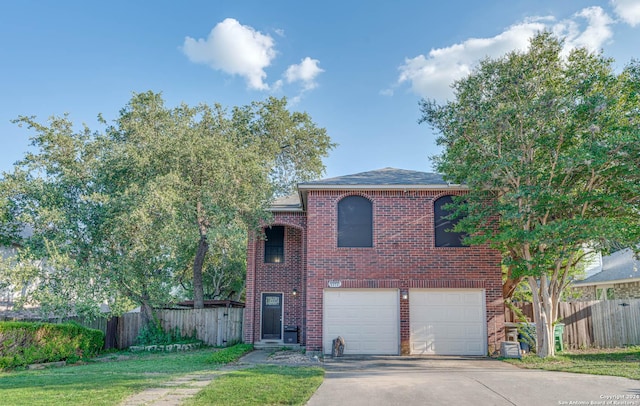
(213, 326)
(218, 326)
(600, 323)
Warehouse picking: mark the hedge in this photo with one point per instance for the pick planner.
(24, 343)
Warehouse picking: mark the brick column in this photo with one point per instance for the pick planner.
(248, 334)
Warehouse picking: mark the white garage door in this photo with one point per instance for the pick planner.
(367, 319)
(447, 322)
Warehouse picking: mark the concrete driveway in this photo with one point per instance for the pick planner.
(463, 381)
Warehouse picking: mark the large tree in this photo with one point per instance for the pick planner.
(215, 169)
(548, 143)
(125, 212)
(49, 217)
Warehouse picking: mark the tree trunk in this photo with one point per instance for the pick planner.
(509, 286)
(146, 314)
(198, 263)
(543, 316)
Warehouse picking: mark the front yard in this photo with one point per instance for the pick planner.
(120, 375)
(623, 362)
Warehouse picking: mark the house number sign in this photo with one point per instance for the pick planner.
(272, 300)
(335, 284)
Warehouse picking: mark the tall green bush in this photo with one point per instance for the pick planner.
(24, 343)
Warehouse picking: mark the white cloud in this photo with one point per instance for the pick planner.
(593, 36)
(431, 76)
(627, 10)
(235, 49)
(306, 72)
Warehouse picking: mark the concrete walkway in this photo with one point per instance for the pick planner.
(172, 393)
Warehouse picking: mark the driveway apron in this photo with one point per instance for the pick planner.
(463, 381)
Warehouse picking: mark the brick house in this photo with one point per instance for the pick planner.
(615, 276)
(369, 257)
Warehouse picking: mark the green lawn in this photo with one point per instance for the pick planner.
(99, 383)
(264, 385)
(109, 383)
(623, 362)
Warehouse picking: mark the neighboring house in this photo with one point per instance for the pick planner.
(369, 258)
(616, 276)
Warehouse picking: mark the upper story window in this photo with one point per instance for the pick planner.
(274, 244)
(443, 225)
(355, 222)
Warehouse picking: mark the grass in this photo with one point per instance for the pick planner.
(264, 385)
(109, 383)
(230, 354)
(100, 383)
(623, 362)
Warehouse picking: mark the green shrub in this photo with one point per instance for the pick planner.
(23, 343)
(230, 354)
(154, 334)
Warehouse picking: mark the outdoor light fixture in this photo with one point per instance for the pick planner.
(404, 294)
(295, 292)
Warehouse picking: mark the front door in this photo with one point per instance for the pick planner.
(271, 316)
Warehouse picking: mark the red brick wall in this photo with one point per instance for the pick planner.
(277, 278)
(403, 256)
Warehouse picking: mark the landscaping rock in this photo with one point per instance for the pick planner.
(166, 348)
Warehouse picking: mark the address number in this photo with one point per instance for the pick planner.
(272, 300)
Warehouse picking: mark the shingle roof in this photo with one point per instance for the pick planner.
(619, 266)
(381, 177)
(287, 203)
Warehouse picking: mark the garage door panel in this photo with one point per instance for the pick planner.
(447, 322)
(366, 319)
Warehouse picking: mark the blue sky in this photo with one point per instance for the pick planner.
(358, 68)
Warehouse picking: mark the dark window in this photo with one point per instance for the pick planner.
(445, 237)
(355, 222)
(274, 244)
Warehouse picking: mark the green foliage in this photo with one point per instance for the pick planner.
(154, 334)
(23, 343)
(527, 335)
(158, 201)
(230, 354)
(549, 146)
(518, 313)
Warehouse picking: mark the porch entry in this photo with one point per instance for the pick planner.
(272, 316)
